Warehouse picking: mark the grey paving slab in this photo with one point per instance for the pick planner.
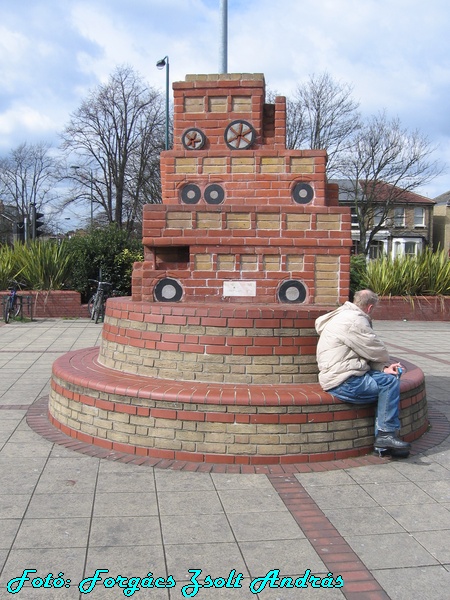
(175, 481)
(431, 517)
(436, 543)
(251, 500)
(363, 521)
(324, 479)
(423, 469)
(227, 481)
(102, 593)
(125, 531)
(291, 557)
(66, 532)
(377, 474)
(8, 532)
(20, 476)
(306, 594)
(189, 503)
(426, 583)
(25, 449)
(53, 505)
(439, 490)
(397, 493)
(29, 593)
(68, 561)
(68, 476)
(124, 478)
(217, 560)
(196, 529)
(127, 562)
(125, 504)
(340, 496)
(390, 550)
(13, 506)
(254, 526)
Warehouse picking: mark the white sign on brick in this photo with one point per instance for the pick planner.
(239, 288)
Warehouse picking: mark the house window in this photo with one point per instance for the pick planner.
(411, 248)
(407, 247)
(376, 249)
(419, 217)
(399, 217)
(355, 222)
(378, 215)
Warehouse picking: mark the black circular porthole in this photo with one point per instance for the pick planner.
(214, 194)
(168, 290)
(239, 135)
(303, 193)
(292, 291)
(193, 139)
(190, 193)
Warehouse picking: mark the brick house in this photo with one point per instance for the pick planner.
(441, 222)
(408, 227)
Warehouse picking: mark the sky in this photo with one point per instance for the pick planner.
(394, 53)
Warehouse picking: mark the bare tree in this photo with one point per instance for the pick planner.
(322, 116)
(28, 178)
(116, 136)
(383, 163)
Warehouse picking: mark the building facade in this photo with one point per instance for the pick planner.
(406, 228)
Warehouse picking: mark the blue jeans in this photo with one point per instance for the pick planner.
(374, 386)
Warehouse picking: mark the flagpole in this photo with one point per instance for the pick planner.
(224, 37)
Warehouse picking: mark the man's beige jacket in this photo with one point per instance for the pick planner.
(347, 346)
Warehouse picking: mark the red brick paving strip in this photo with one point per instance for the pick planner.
(339, 558)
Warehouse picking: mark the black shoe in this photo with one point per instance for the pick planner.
(387, 443)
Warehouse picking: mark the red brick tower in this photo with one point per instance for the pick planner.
(243, 219)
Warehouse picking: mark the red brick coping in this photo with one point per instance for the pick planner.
(217, 423)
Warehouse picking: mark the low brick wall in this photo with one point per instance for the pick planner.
(54, 304)
(201, 422)
(422, 308)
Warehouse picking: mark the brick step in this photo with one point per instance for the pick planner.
(226, 423)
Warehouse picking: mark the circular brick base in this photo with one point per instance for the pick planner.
(217, 423)
(258, 344)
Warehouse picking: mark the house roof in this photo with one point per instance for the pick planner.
(443, 199)
(397, 195)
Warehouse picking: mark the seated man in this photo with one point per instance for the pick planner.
(354, 366)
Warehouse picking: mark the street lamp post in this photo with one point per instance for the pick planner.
(164, 62)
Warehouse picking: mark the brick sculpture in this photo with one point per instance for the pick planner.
(213, 357)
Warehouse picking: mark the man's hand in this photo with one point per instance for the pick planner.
(393, 369)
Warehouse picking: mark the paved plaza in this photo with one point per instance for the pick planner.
(384, 527)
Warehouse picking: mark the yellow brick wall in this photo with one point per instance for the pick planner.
(327, 279)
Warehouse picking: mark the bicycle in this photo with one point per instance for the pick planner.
(13, 302)
(97, 302)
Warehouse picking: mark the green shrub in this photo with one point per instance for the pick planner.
(107, 254)
(44, 265)
(427, 274)
(436, 273)
(9, 269)
(358, 269)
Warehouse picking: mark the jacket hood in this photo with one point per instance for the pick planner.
(321, 322)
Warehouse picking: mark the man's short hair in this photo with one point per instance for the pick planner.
(363, 298)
